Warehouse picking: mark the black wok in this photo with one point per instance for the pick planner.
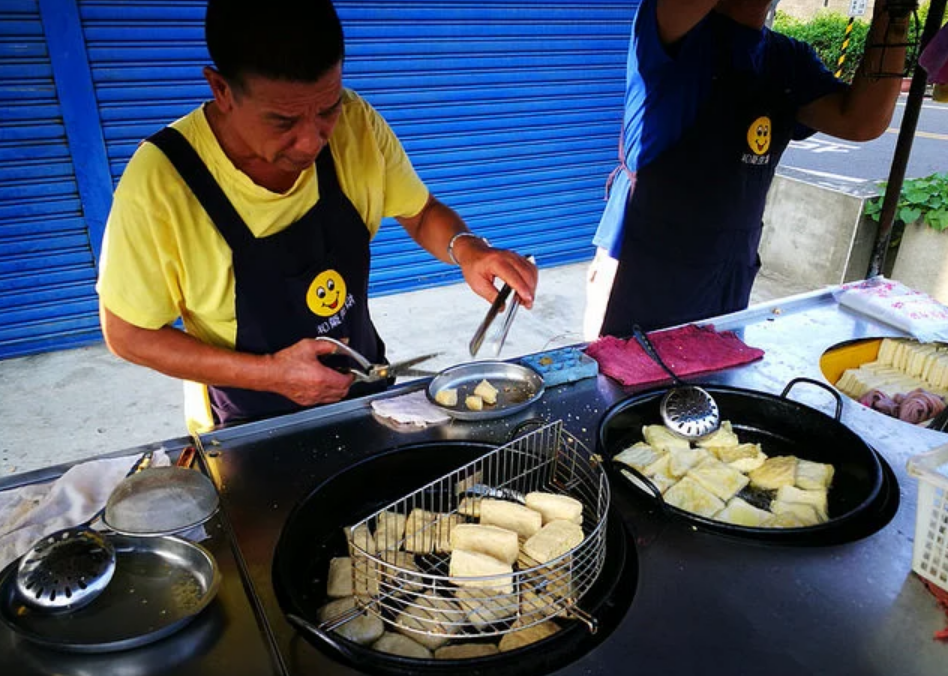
(860, 500)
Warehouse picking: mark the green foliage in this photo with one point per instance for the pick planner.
(924, 199)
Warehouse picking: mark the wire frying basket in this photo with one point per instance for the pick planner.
(401, 554)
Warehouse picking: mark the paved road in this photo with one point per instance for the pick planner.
(822, 154)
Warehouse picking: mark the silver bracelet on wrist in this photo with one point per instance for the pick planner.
(456, 237)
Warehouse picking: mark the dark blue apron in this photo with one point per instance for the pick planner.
(310, 279)
(693, 220)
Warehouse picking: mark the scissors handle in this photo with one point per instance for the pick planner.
(349, 352)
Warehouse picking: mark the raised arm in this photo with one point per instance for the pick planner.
(862, 111)
(677, 17)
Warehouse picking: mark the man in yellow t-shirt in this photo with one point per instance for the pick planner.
(250, 219)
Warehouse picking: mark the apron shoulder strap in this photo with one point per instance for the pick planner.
(326, 173)
(199, 179)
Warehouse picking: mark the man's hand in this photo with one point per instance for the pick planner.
(481, 264)
(298, 374)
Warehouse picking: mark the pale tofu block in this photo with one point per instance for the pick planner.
(814, 475)
(524, 637)
(466, 651)
(447, 396)
(817, 498)
(555, 507)
(474, 402)
(470, 507)
(741, 513)
(808, 514)
(485, 608)
(389, 530)
(398, 644)
(692, 497)
(683, 459)
(362, 629)
(723, 436)
(339, 579)
(444, 525)
(361, 537)
(512, 516)
(742, 457)
(427, 615)
(775, 472)
(502, 544)
(420, 531)
(661, 438)
(487, 392)
(661, 481)
(465, 566)
(722, 480)
(639, 456)
(553, 540)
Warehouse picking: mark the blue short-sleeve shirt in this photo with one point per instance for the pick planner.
(667, 86)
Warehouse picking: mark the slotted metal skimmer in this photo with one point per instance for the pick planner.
(687, 410)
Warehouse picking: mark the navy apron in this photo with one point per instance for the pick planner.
(693, 219)
(310, 279)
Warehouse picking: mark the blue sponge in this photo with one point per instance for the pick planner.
(564, 365)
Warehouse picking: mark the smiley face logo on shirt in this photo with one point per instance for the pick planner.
(327, 294)
(758, 135)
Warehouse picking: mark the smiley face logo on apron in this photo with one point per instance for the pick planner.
(327, 294)
(758, 135)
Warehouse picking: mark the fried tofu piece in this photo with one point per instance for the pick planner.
(661, 438)
(512, 516)
(362, 629)
(661, 481)
(470, 507)
(691, 496)
(389, 530)
(742, 457)
(398, 644)
(640, 456)
(444, 526)
(339, 579)
(808, 515)
(680, 460)
(447, 397)
(555, 507)
(723, 436)
(502, 544)
(720, 479)
(785, 520)
(814, 475)
(741, 513)
(487, 392)
(524, 637)
(474, 402)
(431, 614)
(775, 472)
(553, 540)
(465, 566)
(397, 575)
(485, 608)
(817, 498)
(466, 651)
(420, 533)
(361, 537)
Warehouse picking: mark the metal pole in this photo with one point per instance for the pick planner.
(842, 52)
(903, 146)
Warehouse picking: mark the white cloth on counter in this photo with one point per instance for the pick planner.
(894, 303)
(32, 512)
(412, 408)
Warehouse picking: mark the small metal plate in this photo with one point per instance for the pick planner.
(160, 584)
(517, 387)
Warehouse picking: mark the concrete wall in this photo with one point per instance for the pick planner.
(814, 229)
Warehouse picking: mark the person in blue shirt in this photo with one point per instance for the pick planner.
(713, 98)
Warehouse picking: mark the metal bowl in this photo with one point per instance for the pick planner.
(517, 387)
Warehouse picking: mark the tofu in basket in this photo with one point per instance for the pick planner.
(389, 530)
(502, 544)
(512, 516)
(553, 540)
(466, 566)
(426, 615)
(555, 507)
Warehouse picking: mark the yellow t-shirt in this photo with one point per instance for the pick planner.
(163, 258)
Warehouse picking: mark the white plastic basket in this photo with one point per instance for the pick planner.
(930, 553)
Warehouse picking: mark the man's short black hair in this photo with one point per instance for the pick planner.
(293, 40)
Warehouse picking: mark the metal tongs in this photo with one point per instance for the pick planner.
(478, 340)
(371, 373)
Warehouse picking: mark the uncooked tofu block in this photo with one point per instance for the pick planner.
(500, 543)
(397, 644)
(555, 507)
(526, 636)
(775, 472)
(465, 566)
(512, 516)
(741, 513)
(720, 479)
(723, 436)
(692, 497)
(814, 475)
(661, 438)
(553, 540)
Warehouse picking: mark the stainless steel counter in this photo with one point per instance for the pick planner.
(704, 603)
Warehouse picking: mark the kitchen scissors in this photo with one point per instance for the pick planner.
(367, 372)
